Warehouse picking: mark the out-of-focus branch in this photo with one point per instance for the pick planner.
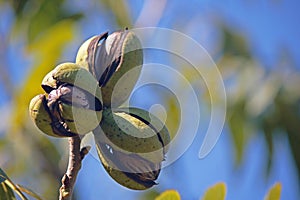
(76, 155)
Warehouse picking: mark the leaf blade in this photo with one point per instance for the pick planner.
(169, 195)
(6, 193)
(215, 192)
(274, 192)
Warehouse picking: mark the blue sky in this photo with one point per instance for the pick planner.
(271, 27)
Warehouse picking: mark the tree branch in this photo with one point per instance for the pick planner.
(76, 155)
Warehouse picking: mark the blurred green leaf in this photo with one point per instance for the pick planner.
(36, 17)
(173, 115)
(18, 6)
(289, 120)
(6, 192)
(48, 14)
(216, 192)
(294, 140)
(268, 131)
(234, 44)
(169, 195)
(237, 124)
(274, 192)
(276, 109)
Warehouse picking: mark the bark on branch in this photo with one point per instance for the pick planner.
(76, 156)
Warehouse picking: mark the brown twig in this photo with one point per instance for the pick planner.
(76, 155)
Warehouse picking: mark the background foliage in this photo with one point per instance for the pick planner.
(259, 64)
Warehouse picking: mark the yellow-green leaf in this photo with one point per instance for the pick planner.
(169, 195)
(274, 192)
(6, 192)
(216, 192)
(239, 127)
(7, 187)
(173, 115)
